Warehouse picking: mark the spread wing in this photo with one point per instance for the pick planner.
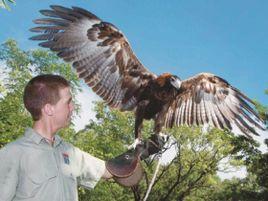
(208, 99)
(98, 51)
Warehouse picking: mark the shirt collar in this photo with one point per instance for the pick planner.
(37, 138)
(57, 140)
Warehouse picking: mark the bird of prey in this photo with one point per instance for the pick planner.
(103, 58)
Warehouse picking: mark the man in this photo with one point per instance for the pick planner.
(40, 166)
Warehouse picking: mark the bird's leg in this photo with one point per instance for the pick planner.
(159, 124)
(160, 137)
(138, 124)
(136, 142)
(138, 127)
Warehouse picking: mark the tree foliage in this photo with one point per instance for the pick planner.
(4, 4)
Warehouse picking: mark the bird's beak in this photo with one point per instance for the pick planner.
(176, 83)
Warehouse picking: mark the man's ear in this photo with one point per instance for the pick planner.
(48, 109)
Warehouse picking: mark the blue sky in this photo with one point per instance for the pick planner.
(186, 37)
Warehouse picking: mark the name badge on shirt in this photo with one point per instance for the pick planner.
(66, 158)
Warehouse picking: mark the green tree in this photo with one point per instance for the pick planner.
(258, 164)
(4, 4)
(262, 110)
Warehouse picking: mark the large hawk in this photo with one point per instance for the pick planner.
(103, 58)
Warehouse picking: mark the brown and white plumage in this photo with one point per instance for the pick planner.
(206, 98)
(98, 51)
(103, 58)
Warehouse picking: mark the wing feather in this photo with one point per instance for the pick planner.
(208, 99)
(189, 111)
(193, 113)
(98, 51)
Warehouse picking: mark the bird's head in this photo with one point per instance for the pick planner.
(168, 78)
(175, 81)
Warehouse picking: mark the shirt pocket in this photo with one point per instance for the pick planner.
(37, 171)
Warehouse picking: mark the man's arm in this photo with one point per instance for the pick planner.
(91, 169)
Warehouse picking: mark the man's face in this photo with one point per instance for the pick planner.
(63, 108)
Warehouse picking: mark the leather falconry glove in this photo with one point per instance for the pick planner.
(126, 168)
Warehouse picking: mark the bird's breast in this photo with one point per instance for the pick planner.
(153, 108)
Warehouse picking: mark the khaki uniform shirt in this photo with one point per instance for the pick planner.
(33, 170)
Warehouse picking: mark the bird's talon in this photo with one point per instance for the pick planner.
(136, 142)
(163, 137)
